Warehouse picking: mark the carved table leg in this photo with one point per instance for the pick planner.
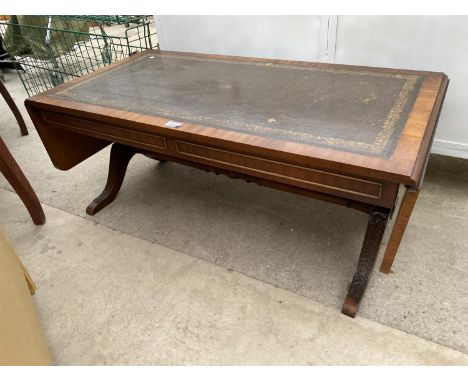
(19, 118)
(13, 174)
(404, 214)
(370, 248)
(119, 158)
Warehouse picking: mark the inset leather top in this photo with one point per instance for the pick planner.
(356, 110)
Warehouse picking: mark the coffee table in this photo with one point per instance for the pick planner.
(344, 134)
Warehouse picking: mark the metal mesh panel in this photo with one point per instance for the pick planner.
(49, 50)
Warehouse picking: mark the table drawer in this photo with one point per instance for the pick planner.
(105, 131)
(299, 176)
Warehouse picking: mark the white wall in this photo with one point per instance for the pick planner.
(438, 43)
(287, 37)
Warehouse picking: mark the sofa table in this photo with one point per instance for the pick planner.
(344, 134)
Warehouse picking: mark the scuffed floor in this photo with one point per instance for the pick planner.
(108, 298)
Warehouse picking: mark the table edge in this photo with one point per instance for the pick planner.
(409, 174)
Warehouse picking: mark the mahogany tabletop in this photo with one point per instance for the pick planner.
(372, 121)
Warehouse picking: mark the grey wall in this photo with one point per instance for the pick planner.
(438, 43)
(293, 37)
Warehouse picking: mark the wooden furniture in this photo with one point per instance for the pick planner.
(344, 134)
(21, 337)
(13, 174)
(19, 118)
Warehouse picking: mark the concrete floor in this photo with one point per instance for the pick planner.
(111, 292)
(108, 298)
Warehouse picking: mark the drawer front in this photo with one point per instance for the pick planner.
(317, 180)
(105, 131)
(323, 181)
